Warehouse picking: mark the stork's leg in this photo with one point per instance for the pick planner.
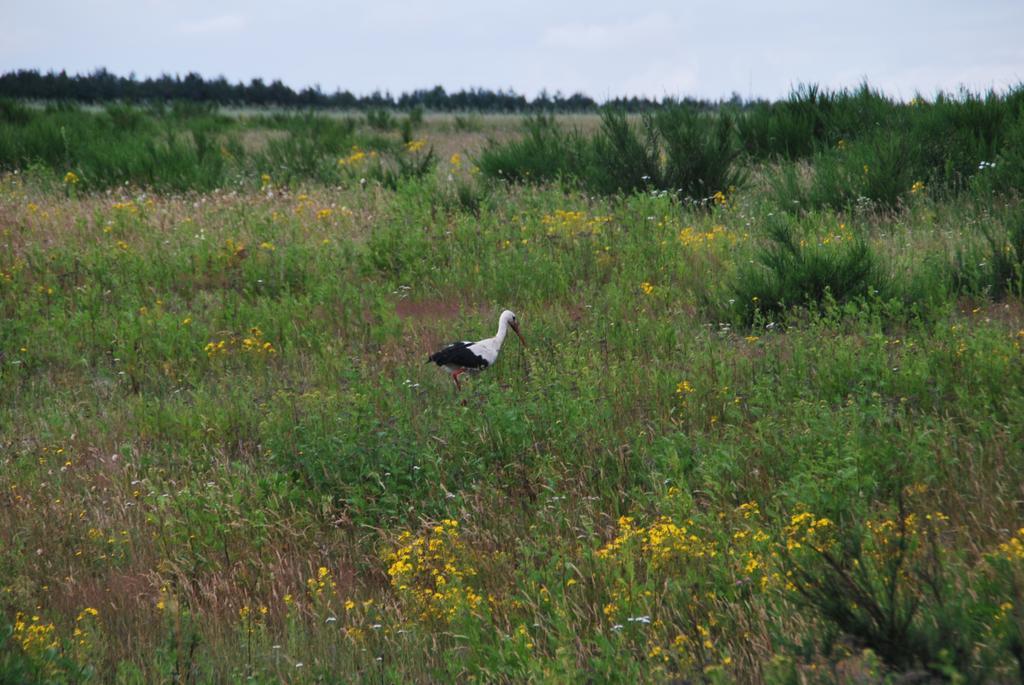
(455, 377)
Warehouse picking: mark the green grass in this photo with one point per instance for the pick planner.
(743, 445)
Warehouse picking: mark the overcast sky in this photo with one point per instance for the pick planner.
(604, 49)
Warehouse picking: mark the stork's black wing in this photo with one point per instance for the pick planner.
(459, 354)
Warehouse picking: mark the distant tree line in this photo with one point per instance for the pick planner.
(103, 86)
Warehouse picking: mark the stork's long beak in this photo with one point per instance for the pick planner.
(515, 327)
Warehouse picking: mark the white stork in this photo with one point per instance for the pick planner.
(460, 357)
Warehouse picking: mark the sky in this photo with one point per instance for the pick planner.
(603, 49)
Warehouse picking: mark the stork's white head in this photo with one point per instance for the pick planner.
(509, 319)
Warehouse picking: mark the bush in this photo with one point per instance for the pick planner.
(1006, 265)
(890, 585)
(13, 112)
(997, 269)
(470, 123)
(677, 150)
(791, 129)
(311, 149)
(544, 154)
(956, 135)
(795, 271)
(380, 119)
(1003, 174)
(390, 172)
(622, 159)
(700, 157)
(875, 171)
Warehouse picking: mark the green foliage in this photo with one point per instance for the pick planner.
(544, 154)
(891, 586)
(700, 156)
(621, 159)
(677, 151)
(415, 116)
(117, 146)
(381, 119)
(1004, 174)
(871, 151)
(390, 173)
(310, 151)
(798, 269)
(995, 268)
(192, 147)
(468, 123)
(1006, 265)
(36, 663)
(219, 422)
(791, 129)
(14, 112)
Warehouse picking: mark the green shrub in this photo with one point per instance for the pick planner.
(876, 171)
(767, 132)
(959, 135)
(852, 114)
(675, 150)
(544, 154)
(622, 159)
(415, 116)
(401, 167)
(1007, 257)
(1003, 174)
(890, 586)
(942, 144)
(310, 150)
(469, 123)
(700, 155)
(380, 119)
(996, 269)
(14, 112)
(790, 129)
(794, 270)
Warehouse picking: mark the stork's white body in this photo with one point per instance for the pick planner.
(460, 357)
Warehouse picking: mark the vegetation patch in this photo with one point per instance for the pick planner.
(766, 428)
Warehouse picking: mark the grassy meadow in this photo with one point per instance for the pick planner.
(767, 427)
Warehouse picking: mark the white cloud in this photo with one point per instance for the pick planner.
(644, 31)
(225, 23)
(660, 80)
